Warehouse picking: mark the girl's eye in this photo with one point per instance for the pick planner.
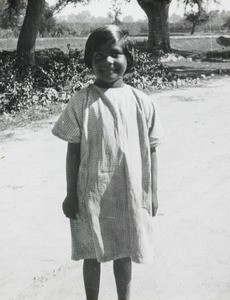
(98, 56)
(116, 54)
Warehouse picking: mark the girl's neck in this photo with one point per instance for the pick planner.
(116, 84)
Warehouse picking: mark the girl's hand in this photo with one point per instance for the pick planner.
(70, 207)
(154, 203)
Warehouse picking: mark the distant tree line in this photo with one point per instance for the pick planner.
(215, 22)
(75, 25)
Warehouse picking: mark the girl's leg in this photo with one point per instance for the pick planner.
(123, 272)
(91, 275)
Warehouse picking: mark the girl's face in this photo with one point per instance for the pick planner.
(109, 65)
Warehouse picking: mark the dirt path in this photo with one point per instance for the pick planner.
(192, 228)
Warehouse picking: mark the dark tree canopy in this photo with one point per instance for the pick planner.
(11, 12)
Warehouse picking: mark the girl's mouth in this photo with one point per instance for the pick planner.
(108, 71)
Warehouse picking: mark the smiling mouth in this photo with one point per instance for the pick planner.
(107, 70)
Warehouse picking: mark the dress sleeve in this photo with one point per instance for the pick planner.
(69, 125)
(156, 132)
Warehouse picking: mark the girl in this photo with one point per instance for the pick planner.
(112, 131)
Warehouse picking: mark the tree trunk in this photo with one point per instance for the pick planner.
(193, 28)
(157, 13)
(28, 34)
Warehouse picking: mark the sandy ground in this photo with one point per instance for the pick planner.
(192, 228)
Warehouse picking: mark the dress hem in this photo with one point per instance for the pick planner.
(114, 257)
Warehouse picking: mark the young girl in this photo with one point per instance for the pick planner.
(112, 130)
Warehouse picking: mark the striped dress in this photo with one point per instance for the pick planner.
(116, 128)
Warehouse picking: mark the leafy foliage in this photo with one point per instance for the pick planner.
(148, 71)
(11, 14)
(57, 76)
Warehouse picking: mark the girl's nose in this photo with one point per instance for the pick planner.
(109, 59)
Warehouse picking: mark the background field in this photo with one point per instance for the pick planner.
(186, 43)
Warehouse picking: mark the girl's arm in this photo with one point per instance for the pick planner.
(154, 181)
(70, 204)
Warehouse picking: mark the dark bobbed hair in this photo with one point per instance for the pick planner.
(104, 34)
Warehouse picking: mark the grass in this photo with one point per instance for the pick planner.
(44, 43)
(185, 43)
(196, 43)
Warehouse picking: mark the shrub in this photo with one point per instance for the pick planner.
(57, 75)
(148, 71)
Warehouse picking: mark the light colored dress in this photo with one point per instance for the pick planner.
(116, 128)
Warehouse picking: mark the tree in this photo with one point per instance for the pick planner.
(30, 28)
(48, 21)
(28, 34)
(115, 11)
(197, 14)
(226, 24)
(196, 18)
(157, 14)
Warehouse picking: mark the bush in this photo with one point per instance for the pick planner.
(57, 75)
(55, 78)
(147, 72)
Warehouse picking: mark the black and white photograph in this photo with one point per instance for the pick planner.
(114, 149)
